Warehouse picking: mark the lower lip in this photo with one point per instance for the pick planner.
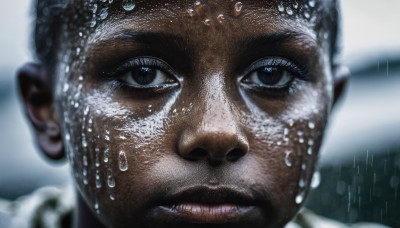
(205, 213)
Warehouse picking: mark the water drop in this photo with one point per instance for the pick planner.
(302, 183)
(85, 160)
(96, 207)
(289, 10)
(190, 11)
(295, 5)
(238, 9)
(309, 151)
(220, 18)
(103, 13)
(112, 197)
(76, 105)
(93, 8)
(310, 142)
(281, 7)
(66, 87)
(123, 162)
(312, 3)
(300, 197)
(306, 14)
(93, 22)
(311, 125)
(106, 155)
(66, 69)
(80, 34)
(84, 143)
(98, 180)
(303, 166)
(301, 140)
(110, 179)
(316, 180)
(128, 5)
(110, 1)
(288, 159)
(207, 22)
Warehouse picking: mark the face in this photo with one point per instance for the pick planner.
(194, 113)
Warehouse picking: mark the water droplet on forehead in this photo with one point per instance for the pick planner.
(128, 5)
(123, 162)
(207, 22)
(238, 9)
(190, 11)
(220, 18)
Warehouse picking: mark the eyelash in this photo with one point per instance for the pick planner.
(298, 71)
(130, 64)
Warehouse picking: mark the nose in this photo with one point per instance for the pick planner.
(216, 136)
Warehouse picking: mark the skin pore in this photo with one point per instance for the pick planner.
(187, 114)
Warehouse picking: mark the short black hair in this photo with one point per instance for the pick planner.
(50, 15)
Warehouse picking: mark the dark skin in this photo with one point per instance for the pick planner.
(171, 119)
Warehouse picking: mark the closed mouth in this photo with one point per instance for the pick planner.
(208, 205)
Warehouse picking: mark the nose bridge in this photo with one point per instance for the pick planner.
(216, 135)
(218, 114)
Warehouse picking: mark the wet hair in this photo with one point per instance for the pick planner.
(49, 18)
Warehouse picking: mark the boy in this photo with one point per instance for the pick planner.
(185, 114)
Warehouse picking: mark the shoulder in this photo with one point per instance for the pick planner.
(308, 219)
(46, 207)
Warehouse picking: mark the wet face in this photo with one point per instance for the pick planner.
(208, 112)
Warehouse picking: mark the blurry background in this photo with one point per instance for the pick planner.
(360, 161)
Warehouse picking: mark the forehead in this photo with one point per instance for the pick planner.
(156, 14)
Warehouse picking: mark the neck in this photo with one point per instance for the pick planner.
(84, 216)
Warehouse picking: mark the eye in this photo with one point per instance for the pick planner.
(272, 74)
(270, 77)
(145, 76)
(145, 73)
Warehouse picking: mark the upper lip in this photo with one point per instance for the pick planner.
(210, 196)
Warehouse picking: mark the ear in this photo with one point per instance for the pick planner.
(341, 75)
(36, 93)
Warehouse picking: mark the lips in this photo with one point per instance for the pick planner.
(208, 205)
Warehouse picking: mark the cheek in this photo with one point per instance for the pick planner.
(286, 143)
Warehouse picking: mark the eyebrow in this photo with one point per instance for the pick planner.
(278, 37)
(166, 44)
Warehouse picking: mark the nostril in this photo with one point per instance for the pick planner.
(197, 154)
(235, 154)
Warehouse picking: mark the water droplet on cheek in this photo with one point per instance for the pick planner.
(289, 11)
(110, 179)
(103, 13)
(281, 7)
(123, 162)
(316, 180)
(300, 197)
(288, 159)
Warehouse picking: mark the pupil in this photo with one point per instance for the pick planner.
(269, 75)
(144, 75)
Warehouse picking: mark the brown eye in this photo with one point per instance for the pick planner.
(145, 77)
(271, 77)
